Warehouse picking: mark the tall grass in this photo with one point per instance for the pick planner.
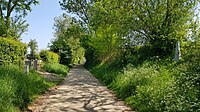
(56, 68)
(17, 88)
(155, 85)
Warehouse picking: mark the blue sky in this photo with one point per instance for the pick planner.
(41, 20)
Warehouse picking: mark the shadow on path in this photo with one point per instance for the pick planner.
(80, 92)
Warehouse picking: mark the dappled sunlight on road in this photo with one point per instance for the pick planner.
(80, 92)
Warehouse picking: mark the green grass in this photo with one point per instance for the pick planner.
(56, 68)
(17, 89)
(155, 85)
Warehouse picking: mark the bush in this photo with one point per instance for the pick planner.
(49, 56)
(152, 86)
(56, 68)
(12, 51)
(17, 89)
(155, 85)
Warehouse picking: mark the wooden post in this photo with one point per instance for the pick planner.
(35, 64)
(177, 55)
(26, 69)
(28, 63)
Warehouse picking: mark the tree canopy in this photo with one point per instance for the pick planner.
(115, 25)
(33, 48)
(67, 40)
(12, 13)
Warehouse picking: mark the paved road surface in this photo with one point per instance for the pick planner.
(80, 92)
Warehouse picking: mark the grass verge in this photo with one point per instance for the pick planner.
(56, 68)
(155, 85)
(17, 88)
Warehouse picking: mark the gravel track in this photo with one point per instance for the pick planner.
(80, 92)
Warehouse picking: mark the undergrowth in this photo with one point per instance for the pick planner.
(155, 85)
(17, 89)
(57, 68)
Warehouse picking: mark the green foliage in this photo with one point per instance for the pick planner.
(56, 68)
(80, 8)
(17, 88)
(89, 51)
(141, 35)
(12, 51)
(67, 42)
(155, 85)
(12, 13)
(63, 49)
(49, 56)
(33, 47)
(116, 26)
(37, 56)
(191, 50)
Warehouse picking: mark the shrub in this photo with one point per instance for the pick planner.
(186, 89)
(156, 85)
(56, 68)
(152, 87)
(12, 51)
(49, 56)
(16, 88)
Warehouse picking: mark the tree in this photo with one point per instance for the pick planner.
(58, 45)
(67, 40)
(78, 7)
(99, 26)
(33, 49)
(123, 28)
(163, 22)
(12, 13)
(159, 22)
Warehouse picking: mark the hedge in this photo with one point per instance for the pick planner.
(49, 56)
(12, 51)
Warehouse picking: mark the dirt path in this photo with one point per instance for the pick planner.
(80, 92)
